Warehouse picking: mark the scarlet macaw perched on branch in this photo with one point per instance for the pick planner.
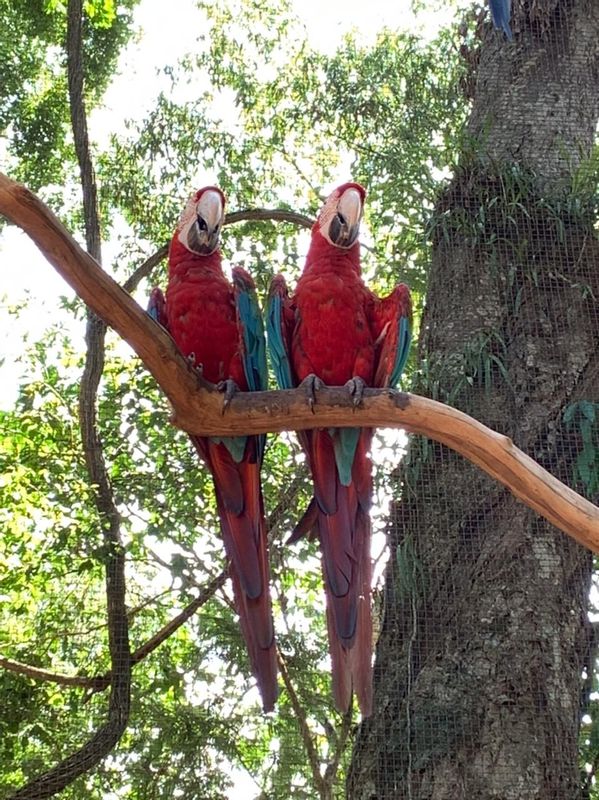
(218, 326)
(333, 329)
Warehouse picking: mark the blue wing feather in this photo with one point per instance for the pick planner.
(157, 307)
(254, 355)
(500, 12)
(276, 338)
(403, 350)
(253, 350)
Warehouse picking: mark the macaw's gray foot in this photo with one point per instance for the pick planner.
(197, 368)
(311, 384)
(355, 387)
(229, 388)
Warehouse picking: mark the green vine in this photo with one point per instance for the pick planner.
(477, 366)
(583, 418)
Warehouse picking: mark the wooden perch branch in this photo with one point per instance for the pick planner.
(198, 408)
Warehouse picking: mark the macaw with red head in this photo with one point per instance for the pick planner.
(334, 330)
(217, 325)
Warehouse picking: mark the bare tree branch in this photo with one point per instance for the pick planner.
(198, 408)
(269, 214)
(38, 674)
(75, 72)
(98, 683)
(106, 737)
(118, 624)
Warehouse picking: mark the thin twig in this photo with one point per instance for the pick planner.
(164, 633)
(246, 215)
(98, 683)
(300, 715)
(330, 773)
(145, 268)
(269, 214)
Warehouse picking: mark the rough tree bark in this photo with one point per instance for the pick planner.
(485, 634)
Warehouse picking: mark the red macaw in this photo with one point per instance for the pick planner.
(333, 329)
(218, 326)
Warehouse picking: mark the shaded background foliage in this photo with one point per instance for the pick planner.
(274, 121)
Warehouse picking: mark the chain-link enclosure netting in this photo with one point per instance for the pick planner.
(123, 671)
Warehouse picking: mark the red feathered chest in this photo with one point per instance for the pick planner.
(332, 336)
(202, 318)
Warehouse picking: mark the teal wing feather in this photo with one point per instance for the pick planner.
(404, 340)
(234, 444)
(345, 441)
(277, 332)
(253, 350)
(250, 319)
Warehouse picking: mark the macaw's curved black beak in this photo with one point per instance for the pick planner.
(345, 225)
(341, 233)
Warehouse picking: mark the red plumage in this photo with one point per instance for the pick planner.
(202, 316)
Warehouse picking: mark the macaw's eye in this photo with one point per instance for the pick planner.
(341, 218)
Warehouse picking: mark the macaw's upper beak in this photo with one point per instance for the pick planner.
(345, 225)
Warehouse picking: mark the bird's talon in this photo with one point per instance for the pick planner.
(229, 389)
(311, 384)
(356, 386)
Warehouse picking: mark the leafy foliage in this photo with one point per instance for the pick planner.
(583, 417)
(34, 111)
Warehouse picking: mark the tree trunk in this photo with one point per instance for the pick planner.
(485, 636)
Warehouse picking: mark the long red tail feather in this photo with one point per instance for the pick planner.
(345, 546)
(243, 529)
(340, 665)
(255, 619)
(361, 652)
